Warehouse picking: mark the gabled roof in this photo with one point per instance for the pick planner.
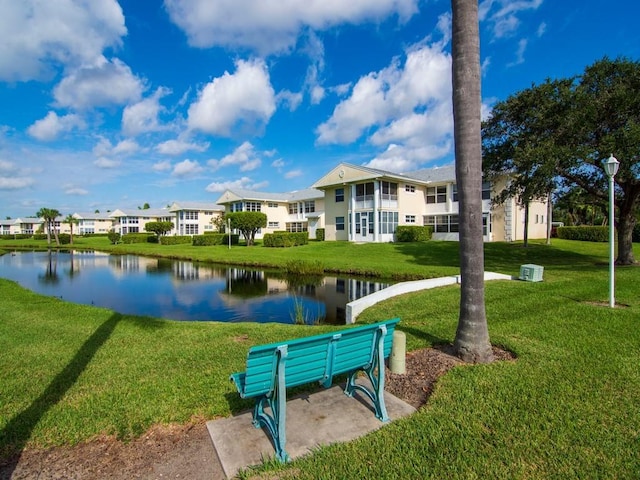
(446, 173)
(346, 173)
(135, 212)
(91, 216)
(238, 194)
(199, 206)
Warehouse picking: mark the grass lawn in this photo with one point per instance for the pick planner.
(569, 407)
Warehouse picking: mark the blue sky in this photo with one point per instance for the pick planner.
(107, 104)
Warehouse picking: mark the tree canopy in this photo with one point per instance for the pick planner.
(248, 223)
(559, 133)
(159, 228)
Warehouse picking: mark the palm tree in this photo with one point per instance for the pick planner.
(49, 216)
(472, 336)
(71, 220)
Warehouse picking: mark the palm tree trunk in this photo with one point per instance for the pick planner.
(472, 336)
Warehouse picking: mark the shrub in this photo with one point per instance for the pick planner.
(113, 236)
(413, 233)
(138, 238)
(212, 238)
(636, 233)
(175, 240)
(17, 236)
(302, 267)
(584, 233)
(320, 234)
(64, 238)
(285, 239)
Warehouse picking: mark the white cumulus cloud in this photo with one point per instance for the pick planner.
(187, 168)
(178, 147)
(52, 125)
(269, 26)
(244, 183)
(142, 117)
(244, 99)
(104, 83)
(245, 157)
(37, 37)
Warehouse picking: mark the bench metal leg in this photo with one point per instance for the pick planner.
(276, 402)
(375, 374)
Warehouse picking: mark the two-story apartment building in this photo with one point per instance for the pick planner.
(89, 223)
(298, 211)
(134, 220)
(20, 226)
(367, 205)
(195, 218)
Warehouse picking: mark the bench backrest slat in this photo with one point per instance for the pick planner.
(308, 359)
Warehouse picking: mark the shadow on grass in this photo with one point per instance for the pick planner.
(502, 256)
(18, 431)
(431, 340)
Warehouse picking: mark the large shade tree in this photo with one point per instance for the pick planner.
(472, 335)
(566, 129)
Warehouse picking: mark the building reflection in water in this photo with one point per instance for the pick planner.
(184, 290)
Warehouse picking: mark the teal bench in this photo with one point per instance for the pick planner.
(273, 368)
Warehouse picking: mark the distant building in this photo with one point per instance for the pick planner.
(89, 223)
(134, 220)
(195, 218)
(298, 211)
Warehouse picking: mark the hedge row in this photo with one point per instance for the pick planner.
(320, 234)
(175, 240)
(285, 239)
(413, 233)
(214, 239)
(584, 233)
(138, 238)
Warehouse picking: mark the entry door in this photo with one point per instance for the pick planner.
(364, 229)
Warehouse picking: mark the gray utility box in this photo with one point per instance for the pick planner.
(531, 273)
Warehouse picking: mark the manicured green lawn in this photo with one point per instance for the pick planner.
(569, 407)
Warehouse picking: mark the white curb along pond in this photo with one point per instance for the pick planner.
(356, 307)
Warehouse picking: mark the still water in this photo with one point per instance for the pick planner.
(183, 290)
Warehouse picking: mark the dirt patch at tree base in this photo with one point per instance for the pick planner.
(186, 451)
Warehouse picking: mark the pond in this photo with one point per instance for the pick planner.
(184, 290)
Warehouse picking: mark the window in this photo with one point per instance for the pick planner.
(190, 215)
(310, 206)
(272, 205)
(443, 223)
(252, 206)
(437, 194)
(296, 227)
(455, 192)
(339, 223)
(273, 225)
(364, 190)
(339, 195)
(410, 219)
(410, 188)
(388, 222)
(236, 207)
(191, 229)
(486, 191)
(293, 208)
(389, 190)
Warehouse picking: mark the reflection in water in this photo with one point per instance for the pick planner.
(183, 290)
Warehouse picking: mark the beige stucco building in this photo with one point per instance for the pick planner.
(367, 205)
(298, 211)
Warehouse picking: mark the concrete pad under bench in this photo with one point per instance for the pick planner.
(321, 418)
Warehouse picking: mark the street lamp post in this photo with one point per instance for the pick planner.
(611, 167)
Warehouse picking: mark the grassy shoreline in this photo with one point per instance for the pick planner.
(569, 406)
